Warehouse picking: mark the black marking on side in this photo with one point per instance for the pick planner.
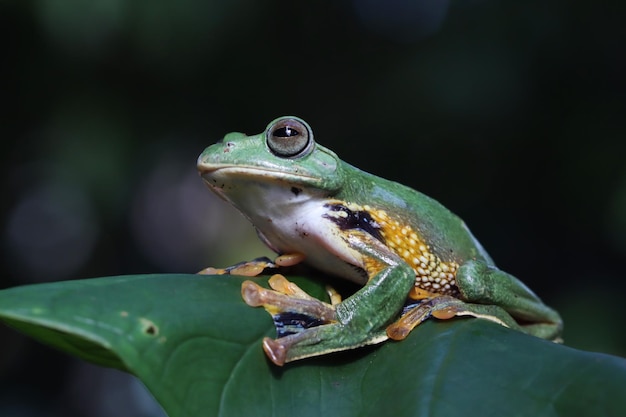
(360, 220)
(296, 190)
(287, 323)
(360, 271)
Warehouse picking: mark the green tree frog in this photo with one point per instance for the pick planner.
(398, 244)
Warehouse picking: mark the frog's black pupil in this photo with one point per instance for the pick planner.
(286, 132)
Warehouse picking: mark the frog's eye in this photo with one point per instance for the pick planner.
(289, 138)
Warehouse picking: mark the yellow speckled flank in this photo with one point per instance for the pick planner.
(431, 273)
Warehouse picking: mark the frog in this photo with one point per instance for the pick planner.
(410, 257)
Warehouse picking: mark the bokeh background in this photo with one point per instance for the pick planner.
(512, 114)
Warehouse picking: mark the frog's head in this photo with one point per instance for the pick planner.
(283, 157)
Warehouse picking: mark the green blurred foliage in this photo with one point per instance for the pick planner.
(511, 114)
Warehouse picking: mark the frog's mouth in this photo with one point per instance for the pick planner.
(217, 176)
(251, 190)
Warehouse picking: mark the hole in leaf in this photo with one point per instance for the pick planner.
(149, 327)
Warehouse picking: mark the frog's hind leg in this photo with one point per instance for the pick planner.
(486, 284)
(445, 307)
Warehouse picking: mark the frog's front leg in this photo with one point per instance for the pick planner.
(256, 266)
(359, 320)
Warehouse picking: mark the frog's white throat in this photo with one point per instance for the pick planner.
(294, 220)
(268, 202)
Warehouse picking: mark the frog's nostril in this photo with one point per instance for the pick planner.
(229, 146)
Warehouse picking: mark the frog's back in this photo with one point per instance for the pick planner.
(415, 226)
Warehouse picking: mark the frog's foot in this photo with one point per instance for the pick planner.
(445, 307)
(287, 301)
(293, 312)
(277, 350)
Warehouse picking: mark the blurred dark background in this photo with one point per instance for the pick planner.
(512, 114)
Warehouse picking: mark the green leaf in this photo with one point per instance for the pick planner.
(196, 346)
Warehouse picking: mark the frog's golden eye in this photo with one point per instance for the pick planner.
(289, 138)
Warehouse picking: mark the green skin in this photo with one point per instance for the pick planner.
(286, 185)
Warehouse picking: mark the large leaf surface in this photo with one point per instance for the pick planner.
(196, 346)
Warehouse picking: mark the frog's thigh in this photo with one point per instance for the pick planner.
(485, 284)
(446, 307)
